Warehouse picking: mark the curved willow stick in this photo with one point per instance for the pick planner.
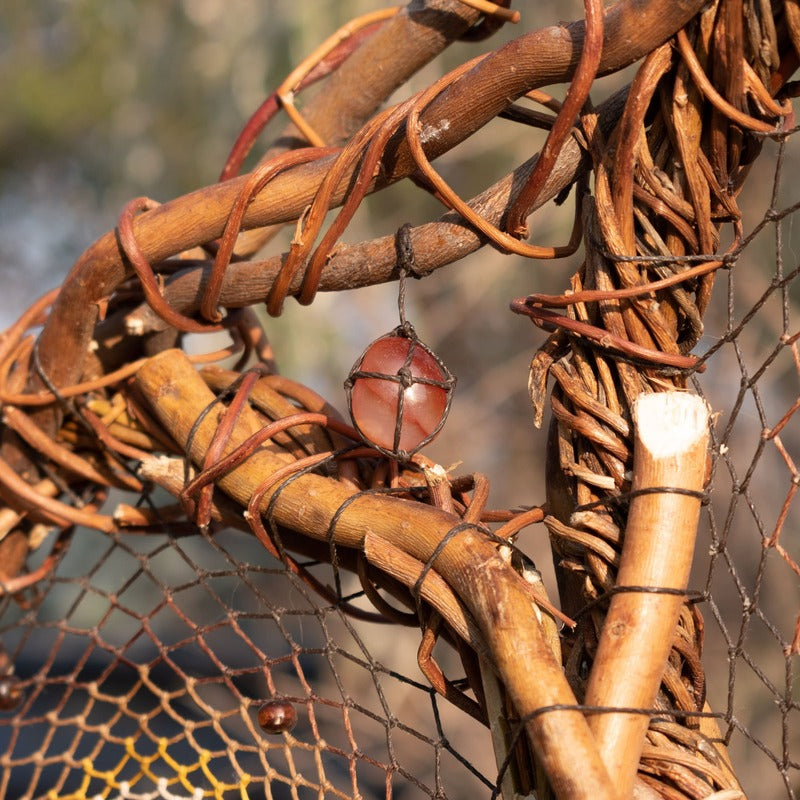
(577, 95)
(499, 237)
(496, 596)
(713, 96)
(311, 69)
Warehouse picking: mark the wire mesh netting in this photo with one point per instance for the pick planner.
(213, 586)
(747, 566)
(159, 656)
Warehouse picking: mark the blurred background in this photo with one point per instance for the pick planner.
(105, 100)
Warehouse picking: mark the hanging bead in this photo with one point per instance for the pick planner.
(399, 378)
(10, 692)
(277, 716)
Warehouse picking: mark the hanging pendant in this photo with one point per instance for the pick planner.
(399, 393)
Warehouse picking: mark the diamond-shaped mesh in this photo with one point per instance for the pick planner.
(146, 658)
(748, 554)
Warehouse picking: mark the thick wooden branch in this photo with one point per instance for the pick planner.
(398, 49)
(492, 591)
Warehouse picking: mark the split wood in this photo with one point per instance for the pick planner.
(670, 451)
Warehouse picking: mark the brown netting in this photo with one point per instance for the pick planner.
(212, 587)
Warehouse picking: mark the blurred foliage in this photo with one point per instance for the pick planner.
(145, 93)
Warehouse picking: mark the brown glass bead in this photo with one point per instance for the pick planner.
(277, 716)
(10, 692)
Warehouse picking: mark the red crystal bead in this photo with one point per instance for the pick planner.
(375, 401)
